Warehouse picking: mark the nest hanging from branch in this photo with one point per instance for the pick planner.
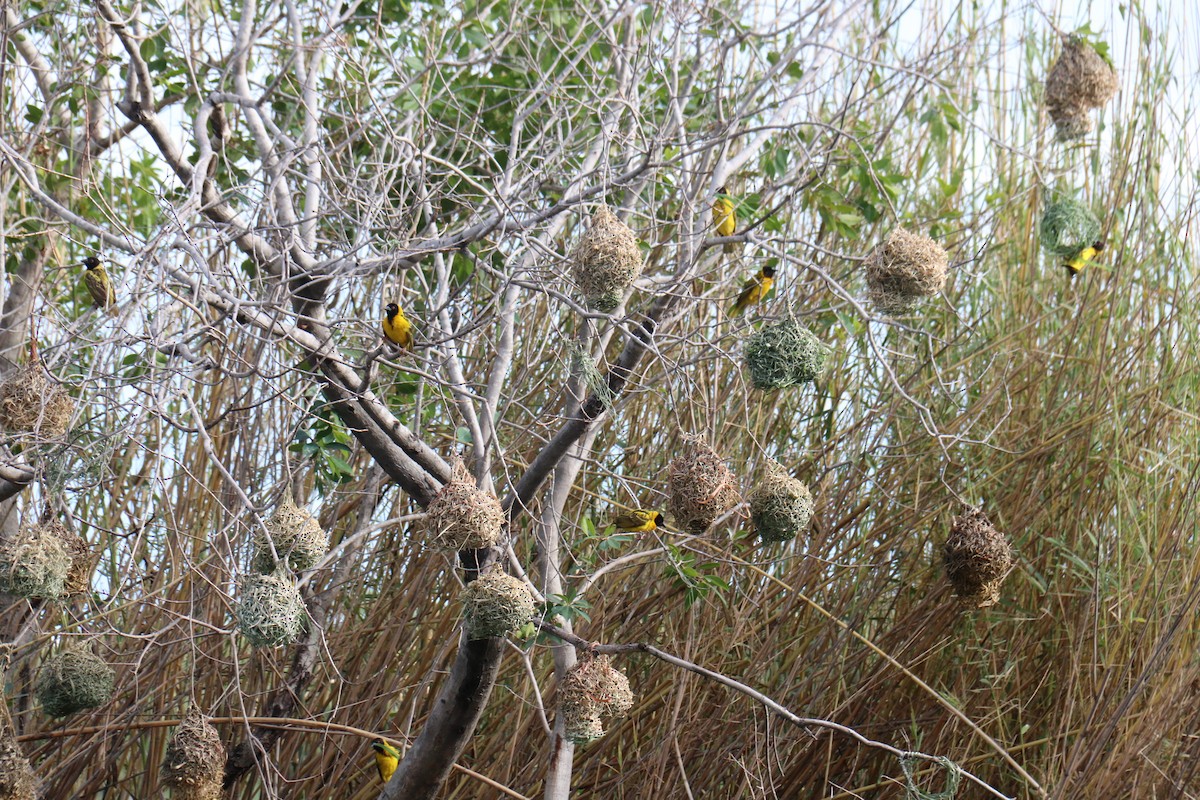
(1067, 227)
(780, 506)
(783, 354)
(1080, 80)
(906, 269)
(461, 517)
(496, 604)
(299, 539)
(18, 781)
(36, 563)
(73, 680)
(592, 692)
(270, 611)
(30, 402)
(700, 486)
(606, 261)
(977, 559)
(194, 765)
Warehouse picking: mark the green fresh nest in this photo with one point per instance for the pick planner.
(36, 562)
(462, 517)
(195, 761)
(591, 692)
(1079, 80)
(606, 261)
(977, 558)
(496, 604)
(18, 781)
(1068, 227)
(32, 403)
(782, 354)
(270, 611)
(904, 270)
(299, 539)
(700, 486)
(74, 680)
(780, 506)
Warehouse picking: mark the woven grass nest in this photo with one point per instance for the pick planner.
(73, 680)
(906, 269)
(36, 563)
(270, 611)
(194, 765)
(299, 539)
(700, 486)
(18, 781)
(462, 517)
(1067, 227)
(496, 604)
(1079, 80)
(977, 558)
(592, 691)
(30, 402)
(780, 505)
(783, 354)
(606, 261)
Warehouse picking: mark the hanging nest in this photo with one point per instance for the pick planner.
(496, 604)
(977, 558)
(606, 261)
(79, 574)
(1079, 80)
(270, 611)
(701, 488)
(195, 762)
(591, 692)
(36, 562)
(18, 781)
(299, 539)
(462, 517)
(30, 402)
(780, 506)
(782, 354)
(73, 680)
(904, 270)
(1068, 227)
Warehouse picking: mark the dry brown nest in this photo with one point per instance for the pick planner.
(30, 402)
(592, 692)
(496, 604)
(977, 558)
(73, 680)
(606, 261)
(299, 539)
(79, 574)
(700, 486)
(780, 505)
(462, 517)
(904, 270)
(195, 761)
(1079, 80)
(18, 781)
(37, 561)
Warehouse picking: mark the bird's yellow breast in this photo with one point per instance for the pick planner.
(723, 217)
(398, 329)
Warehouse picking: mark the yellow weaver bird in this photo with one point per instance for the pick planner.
(396, 326)
(98, 285)
(386, 759)
(756, 289)
(638, 521)
(1080, 259)
(723, 216)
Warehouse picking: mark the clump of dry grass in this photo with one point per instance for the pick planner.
(461, 517)
(1079, 80)
(780, 506)
(18, 781)
(30, 402)
(496, 604)
(592, 692)
(298, 537)
(906, 269)
(700, 486)
(606, 261)
(195, 760)
(73, 680)
(270, 611)
(977, 558)
(37, 562)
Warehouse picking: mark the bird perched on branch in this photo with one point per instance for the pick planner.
(755, 290)
(396, 326)
(724, 217)
(386, 759)
(98, 284)
(1078, 261)
(640, 520)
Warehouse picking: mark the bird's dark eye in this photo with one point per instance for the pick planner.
(658, 519)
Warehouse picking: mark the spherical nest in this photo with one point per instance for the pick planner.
(1071, 123)
(780, 506)
(977, 558)
(591, 692)
(462, 517)
(904, 270)
(36, 562)
(700, 487)
(32, 403)
(606, 261)
(299, 539)
(73, 680)
(1080, 79)
(195, 761)
(1068, 227)
(782, 354)
(18, 781)
(496, 604)
(270, 611)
